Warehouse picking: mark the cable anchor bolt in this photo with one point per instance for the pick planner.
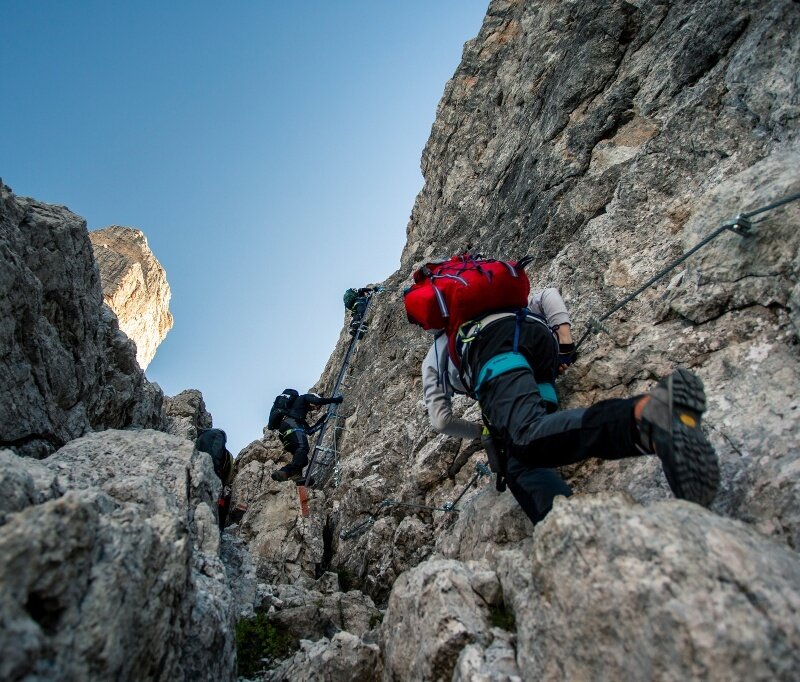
(741, 225)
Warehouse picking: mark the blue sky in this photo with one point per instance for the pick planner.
(270, 152)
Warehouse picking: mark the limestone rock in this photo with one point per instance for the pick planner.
(311, 609)
(495, 663)
(491, 523)
(317, 623)
(135, 287)
(186, 413)
(610, 590)
(284, 544)
(435, 611)
(66, 368)
(24, 482)
(624, 592)
(342, 658)
(120, 576)
(241, 574)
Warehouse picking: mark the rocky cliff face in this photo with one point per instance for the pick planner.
(135, 287)
(111, 563)
(605, 140)
(65, 367)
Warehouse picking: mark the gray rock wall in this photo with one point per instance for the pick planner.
(186, 413)
(605, 590)
(284, 544)
(111, 563)
(66, 368)
(606, 141)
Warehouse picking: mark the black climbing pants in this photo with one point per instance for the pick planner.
(358, 309)
(296, 442)
(537, 441)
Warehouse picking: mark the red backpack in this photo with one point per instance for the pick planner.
(462, 288)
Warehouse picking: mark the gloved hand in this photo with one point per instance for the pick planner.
(338, 399)
(567, 354)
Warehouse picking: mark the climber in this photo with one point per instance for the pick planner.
(355, 300)
(508, 361)
(288, 416)
(212, 441)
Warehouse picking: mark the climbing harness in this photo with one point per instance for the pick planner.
(741, 225)
(503, 362)
(481, 469)
(284, 435)
(325, 456)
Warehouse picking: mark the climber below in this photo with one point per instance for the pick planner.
(355, 300)
(288, 416)
(212, 441)
(509, 361)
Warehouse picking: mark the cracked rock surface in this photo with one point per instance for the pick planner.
(111, 563)
(66, 368)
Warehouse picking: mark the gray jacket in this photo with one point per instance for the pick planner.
(440, 378)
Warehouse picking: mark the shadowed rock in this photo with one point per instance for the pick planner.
(120, 576)
(66, 368)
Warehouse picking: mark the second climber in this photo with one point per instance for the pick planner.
(288, 415)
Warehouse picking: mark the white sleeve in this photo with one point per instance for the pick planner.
(549, 304)
(437, 400)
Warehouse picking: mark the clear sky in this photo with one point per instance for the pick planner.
(270, 151)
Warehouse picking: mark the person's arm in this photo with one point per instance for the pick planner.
(549, 304)
(437, 400)
(314, 399)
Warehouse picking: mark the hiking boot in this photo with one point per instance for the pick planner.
(287, 473)
(670, 426)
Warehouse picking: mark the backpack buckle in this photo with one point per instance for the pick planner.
(462, 335)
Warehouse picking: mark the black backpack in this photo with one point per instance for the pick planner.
(280, 408)
(213, 441)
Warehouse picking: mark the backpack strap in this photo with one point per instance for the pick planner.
(521, 315)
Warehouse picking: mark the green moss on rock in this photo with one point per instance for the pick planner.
(257, 642)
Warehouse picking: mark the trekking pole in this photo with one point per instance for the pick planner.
(740, 225)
